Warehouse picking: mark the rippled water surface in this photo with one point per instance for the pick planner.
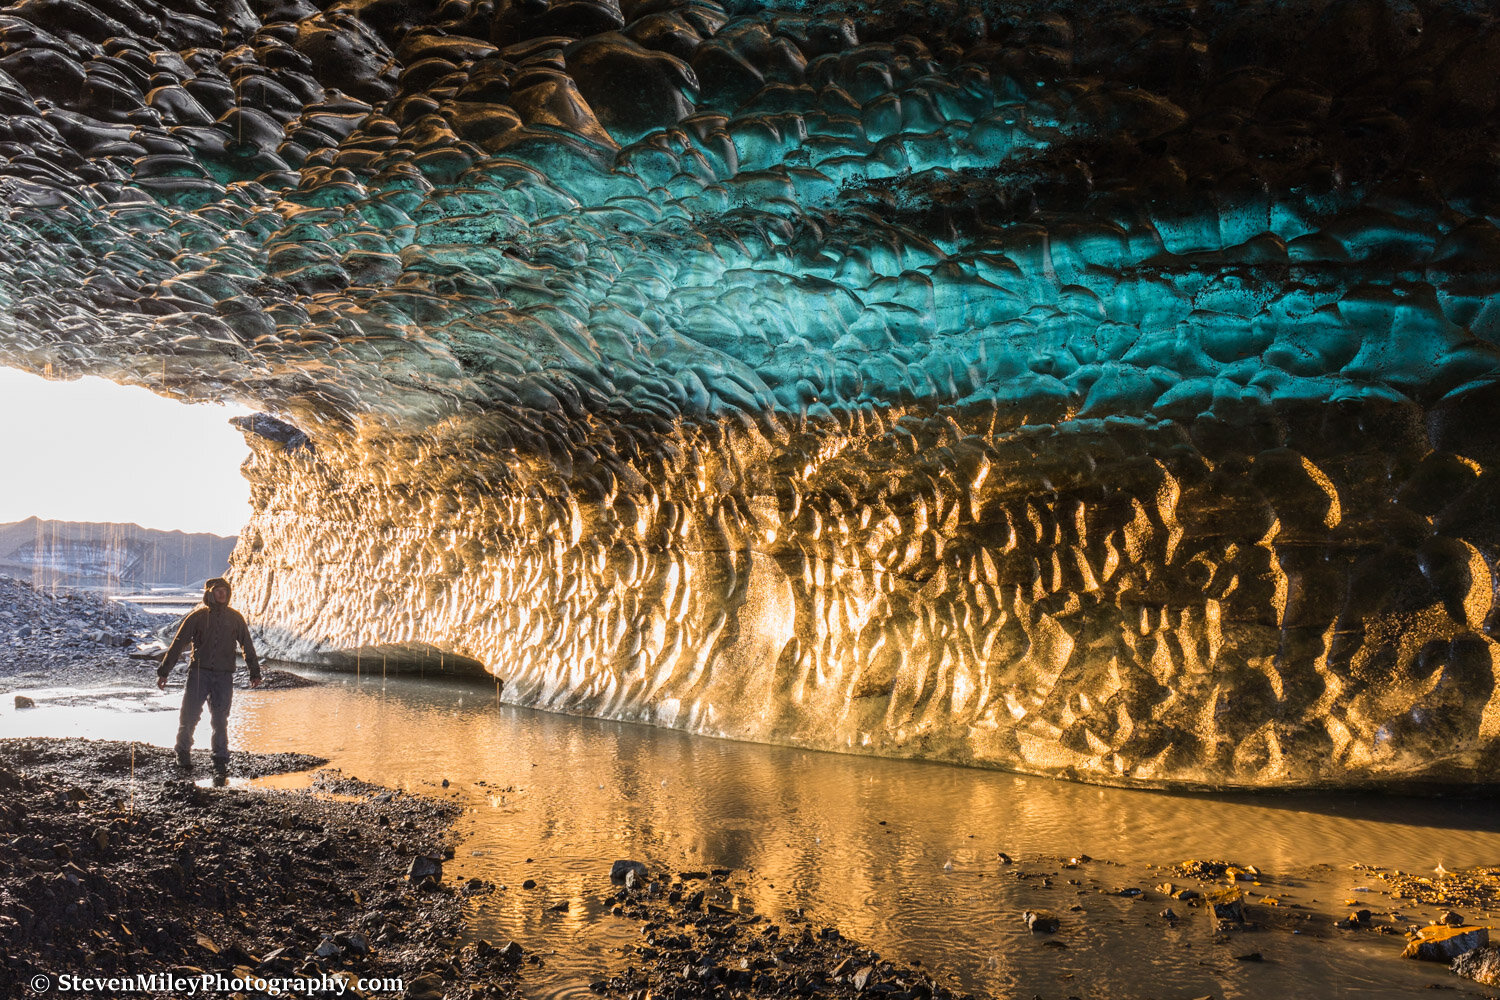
(859, 843)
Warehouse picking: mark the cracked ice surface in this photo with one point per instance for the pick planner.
(1084, 388)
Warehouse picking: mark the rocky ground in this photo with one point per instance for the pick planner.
(695, 943)
(111, 863)
(54, 636)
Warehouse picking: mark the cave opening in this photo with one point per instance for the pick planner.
(111, 487)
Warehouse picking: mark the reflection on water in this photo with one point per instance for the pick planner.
(861, 843)
(116, 712)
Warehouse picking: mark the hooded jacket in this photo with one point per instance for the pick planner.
(213, 631)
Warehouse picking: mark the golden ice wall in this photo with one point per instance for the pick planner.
(1295, 600)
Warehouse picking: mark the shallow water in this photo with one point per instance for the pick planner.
(859, 843)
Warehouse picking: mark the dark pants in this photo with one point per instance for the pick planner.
(217, 688)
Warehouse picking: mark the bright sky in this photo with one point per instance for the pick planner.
(91, 450)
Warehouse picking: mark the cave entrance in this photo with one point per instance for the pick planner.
(113, 488)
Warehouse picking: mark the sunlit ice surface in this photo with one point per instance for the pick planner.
(859, 843)
(94, 450)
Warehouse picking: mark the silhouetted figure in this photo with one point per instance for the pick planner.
(213, 631)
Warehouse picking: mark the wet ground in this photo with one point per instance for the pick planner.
(902, 856)
(114, 862)
(923, 863)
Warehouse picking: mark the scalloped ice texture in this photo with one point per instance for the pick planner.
(1084, 388)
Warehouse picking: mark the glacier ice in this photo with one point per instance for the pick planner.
(1091, 389)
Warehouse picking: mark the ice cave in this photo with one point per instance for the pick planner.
(1086, 388)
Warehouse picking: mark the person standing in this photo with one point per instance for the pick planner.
(213, 631)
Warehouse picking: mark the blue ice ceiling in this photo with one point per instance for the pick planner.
(695, 209)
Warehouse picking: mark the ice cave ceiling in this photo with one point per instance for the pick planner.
(1088, 388)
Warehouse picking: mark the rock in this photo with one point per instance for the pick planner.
(356, 942)
(1041, 921)
(1450, 918)
(621, 868)
(425, 867)
(276, 958)
(1229, 904)
(1355, 921)
(1177, 892)
(24, 702)
(1168, 914)
(428, 986)
(1481, 965)
(1441, 943)
(327, 948)
(861, 979)
(529, 884)
(510, 953)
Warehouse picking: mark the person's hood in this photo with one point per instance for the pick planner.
(208, 589)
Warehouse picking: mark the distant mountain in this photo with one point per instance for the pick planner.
(112, 556)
